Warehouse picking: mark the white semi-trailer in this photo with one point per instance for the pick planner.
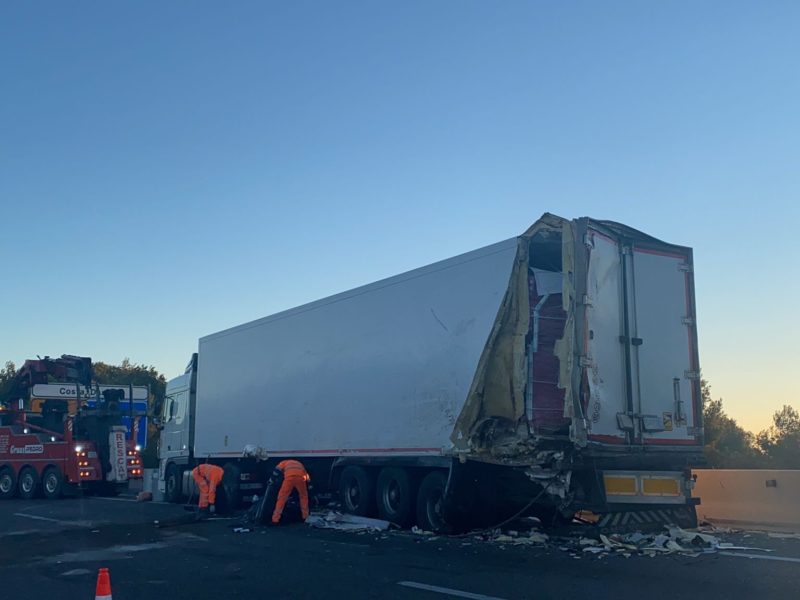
(553, 372)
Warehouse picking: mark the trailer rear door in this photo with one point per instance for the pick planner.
(640, 343)
(662, 347)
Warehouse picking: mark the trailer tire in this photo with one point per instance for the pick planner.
(396, 497)
(8, 483)
(231, 488)
(430, 502)
(28, 483)
(52, 483)
(357, 491)
(172, 484)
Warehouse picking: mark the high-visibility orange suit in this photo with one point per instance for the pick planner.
(295, 477)
(207, 477)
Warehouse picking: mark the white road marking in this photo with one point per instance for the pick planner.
(76, 572)
(447, 591)
(350, 544)
(762, 557)
(131, 500)
(37, 517)
(59, 521)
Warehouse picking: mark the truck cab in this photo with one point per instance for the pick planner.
(176, 438)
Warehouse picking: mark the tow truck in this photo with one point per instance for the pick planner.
(58, 447)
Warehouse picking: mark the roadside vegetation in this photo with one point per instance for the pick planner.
(730, 446)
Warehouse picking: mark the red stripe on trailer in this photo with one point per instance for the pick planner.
(671, 442)
(344, 451)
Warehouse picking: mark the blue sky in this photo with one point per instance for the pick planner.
(170, 170)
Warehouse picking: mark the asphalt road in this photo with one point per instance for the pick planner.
(52, 550)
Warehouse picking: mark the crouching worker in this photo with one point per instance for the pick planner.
(207, 477)
(295, 477)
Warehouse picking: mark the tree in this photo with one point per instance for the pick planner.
(133, 374)
(7, 374)
(780, 443)
(728, 446)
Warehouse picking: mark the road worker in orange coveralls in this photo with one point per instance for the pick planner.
(207, 477)
(295, 477)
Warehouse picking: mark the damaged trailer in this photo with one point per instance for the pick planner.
(547, 374)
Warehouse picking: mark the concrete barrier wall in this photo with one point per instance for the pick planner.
(753, 498)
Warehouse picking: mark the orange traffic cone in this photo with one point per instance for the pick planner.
(103, 590)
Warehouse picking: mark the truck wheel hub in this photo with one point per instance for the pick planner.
(392, 496)
(353, 494)
(434, 508)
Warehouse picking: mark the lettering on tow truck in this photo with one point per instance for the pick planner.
(28, 449)
(121, 464)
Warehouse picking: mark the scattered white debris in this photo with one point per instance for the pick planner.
(419, 531)
(539, 538)
(344, 522)
(674, 540)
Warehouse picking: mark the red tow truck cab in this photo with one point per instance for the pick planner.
(34, 460)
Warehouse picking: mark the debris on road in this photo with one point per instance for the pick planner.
(534, 538)
(673, 540)
(344, 522)
(144, 496)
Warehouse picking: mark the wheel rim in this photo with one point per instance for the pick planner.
(6, 483)
(352, 495)
(51, 483)
(27, 483)
(433, 509)
(391, 496)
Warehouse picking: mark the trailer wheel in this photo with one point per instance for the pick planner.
(396, 496)
(8, 483)
(430, 502)
(172, 479)
(52, 483)
(357, 491)
(28, 483)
